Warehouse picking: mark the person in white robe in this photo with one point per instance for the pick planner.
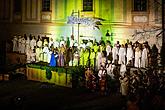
(45, 53)
(144, 59)
(130, 54)
(137, 57)
(39, 43)
(23, 45)
(39, 51)
(33, 56)
(108, 49)
(76, 44)
(62, 42)
(109, 68)
(122, 54)
(28, 55)
(27, 44)
(114, 53)
(19, 44)
(39, 54)
(56, 44)
(33, 43)
(49, 56)
(71, 43)
(15, 44)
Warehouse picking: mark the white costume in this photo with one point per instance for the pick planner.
(23, 45)
(71, 42)
(33, 57)
(62, 42)
(39, 55)
(137, 59)
(56, 44)
(33, 43)
(27, 45)
(76, 44)
(144, 59)
(130, 54)
(15, 44)
(28, 53)
(108, 49)
(45, 54)
(122, 53)
(49, 56)
(114, 53)
(19, 44)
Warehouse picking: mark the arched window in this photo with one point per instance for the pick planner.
(140, 5)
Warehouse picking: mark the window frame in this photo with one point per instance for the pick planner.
(133, 4)
(87, 10)
(50, 7)
(15, 7)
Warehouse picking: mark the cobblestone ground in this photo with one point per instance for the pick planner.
(30, 95)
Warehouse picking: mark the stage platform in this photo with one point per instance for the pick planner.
(57, 75)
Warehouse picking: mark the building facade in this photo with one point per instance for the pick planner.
(126, 20)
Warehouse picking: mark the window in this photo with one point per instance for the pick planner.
(87, 5)
(45, 5)
(140, 5)
(17, 6)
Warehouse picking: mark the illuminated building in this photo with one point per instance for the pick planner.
(125, 19)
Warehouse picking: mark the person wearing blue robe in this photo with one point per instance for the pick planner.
(53, 60)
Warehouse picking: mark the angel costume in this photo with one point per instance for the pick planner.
(114, 53)
(15, 44)
(33, 43)
(46, 53)
(19, 44)
(137, 58)
(130, 54)
(122, 53)
(144, 60)
(27, 44)
(23, 45)
(108, 49)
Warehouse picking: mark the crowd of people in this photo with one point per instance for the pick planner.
(87, 54)
(108, 68)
